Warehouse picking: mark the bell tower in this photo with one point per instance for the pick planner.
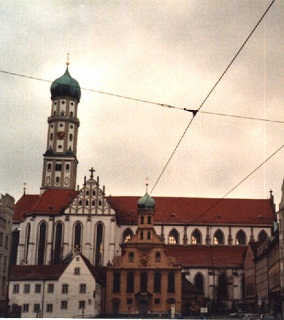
(60, 159)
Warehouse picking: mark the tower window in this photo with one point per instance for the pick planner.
(93, 203)
(54, 113)
(57, 180)
(62, 101)
(51, 136)
(71, 114)
(58, 167)
(149, 235)
(149, 220)
(62, 112)
(70, 137)
(49, 167)
(67, 168)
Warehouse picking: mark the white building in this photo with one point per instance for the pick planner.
(57, 291)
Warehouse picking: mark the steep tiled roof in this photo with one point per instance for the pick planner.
(175, 210)
(98, 273)
(51, 202)
(46, 272)
(200, 256)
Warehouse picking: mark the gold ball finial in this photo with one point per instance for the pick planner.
(67, 62)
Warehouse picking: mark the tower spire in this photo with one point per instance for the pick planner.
(67, 61)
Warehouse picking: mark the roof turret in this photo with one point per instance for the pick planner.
(146, 202)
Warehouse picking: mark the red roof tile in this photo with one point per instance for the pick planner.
(46, 272)
(174, 210)
(199, 256)
(51, 202)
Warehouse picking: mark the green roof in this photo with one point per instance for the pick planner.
(65, 86)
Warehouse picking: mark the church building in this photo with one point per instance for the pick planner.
(166, 245)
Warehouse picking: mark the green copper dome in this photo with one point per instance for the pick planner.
(146, 202)
(65, 86)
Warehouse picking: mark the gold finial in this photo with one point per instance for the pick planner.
(147, 180)
(24, 187)
(67, 62)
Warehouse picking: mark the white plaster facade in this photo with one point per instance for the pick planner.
(75, 293)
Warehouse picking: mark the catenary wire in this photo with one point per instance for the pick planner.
(210, 92)
(238, 184)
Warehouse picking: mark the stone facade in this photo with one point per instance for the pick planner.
(6, 216)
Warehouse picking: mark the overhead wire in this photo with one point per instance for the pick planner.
(210, 92)
(238, 184)
(163, 105)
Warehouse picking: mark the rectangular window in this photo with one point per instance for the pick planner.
(116, 282)
(64, 304)
(82, 304)
(26, 307)
(38, 288)
(16, 288)
(65, 288)
(26, 288)
(36, 308)
(50, 288)
(49, 307)
(83, 288)
(77, 271)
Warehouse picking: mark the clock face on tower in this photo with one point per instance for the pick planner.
(60, 135)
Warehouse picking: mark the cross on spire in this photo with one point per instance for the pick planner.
(67, 62)
(92, 170)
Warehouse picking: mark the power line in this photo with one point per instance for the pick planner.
(243, 180)
(210, 92)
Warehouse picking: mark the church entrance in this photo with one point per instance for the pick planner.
(143, 308)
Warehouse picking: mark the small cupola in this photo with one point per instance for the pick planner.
(146, 202)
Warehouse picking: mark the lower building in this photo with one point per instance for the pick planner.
(144, 280)
(6, 215)
(56, 291)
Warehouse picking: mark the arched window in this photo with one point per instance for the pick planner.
(142, 219)
(58, 243)
(67, 167)
(14, 249)
(141, 235)
(127, 235)
(171, 282)
(130, 282)
(99, 245)
(157, 282)
(27, 241)
(41, 243)
(70, 137)
(49, 167)
(222, 289)
(149, 219)
(196, 237)
(199, 282)
(143, 281)
(158, 256)
(131, 256)
(148, 235)
(241, 238)
(262, 236)
(173, 237)
(77, 236)
(57, 180)
(218, 237)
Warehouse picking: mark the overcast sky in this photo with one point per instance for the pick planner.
(171, 52)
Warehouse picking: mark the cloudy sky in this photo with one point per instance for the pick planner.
(167, 51)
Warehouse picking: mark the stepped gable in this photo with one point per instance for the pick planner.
(39, 272)
(200, 256)
(51, 202)
(173, 210)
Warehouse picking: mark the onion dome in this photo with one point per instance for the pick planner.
(65, 86)
(146, 202)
